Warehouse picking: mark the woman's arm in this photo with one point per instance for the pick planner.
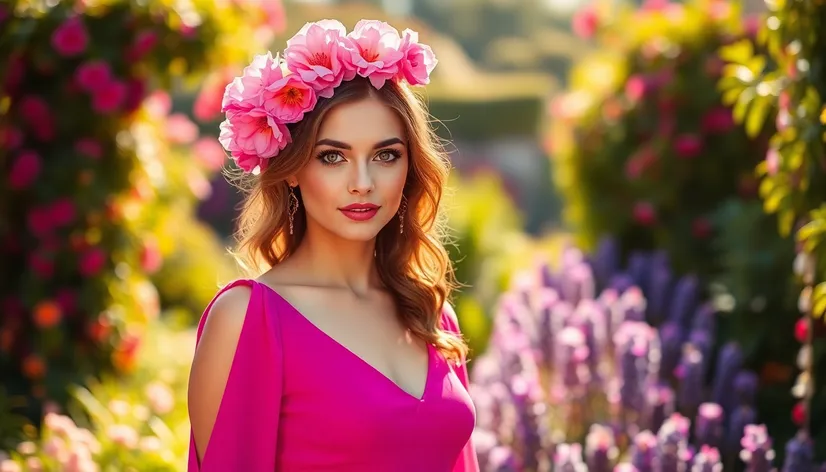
(467, 461)
(213, 360)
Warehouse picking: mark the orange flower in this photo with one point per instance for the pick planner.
(47, 314)
(34, 367)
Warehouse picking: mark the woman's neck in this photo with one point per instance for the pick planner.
(335, 262)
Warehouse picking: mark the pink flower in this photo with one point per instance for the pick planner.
(37, 114)
(688, 145)
(246, 92)
(39, 220)
(585, 22)
(701, 228)
(637, 87)
(135, 93)
(376, 53)
(252, 135)
(89, 147)
(10, 138)
(321, 54)
(67, 299)
(772, 161)
(644, 213)
(42, 265)
(70, 38)
(144, 42)
(62, 212)
(639, 162)
(161, 398)
(717, 120)
(24, 170)
(150, 255)
(288, 98)
(92, 261)
(207, 105)
(180, 129)
(158, 103)
(108, 97)
(209, 152)
(418, 60)
(92, 74)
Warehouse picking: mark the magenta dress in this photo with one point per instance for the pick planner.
(296, 400)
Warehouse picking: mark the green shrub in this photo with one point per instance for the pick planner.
(788, 83)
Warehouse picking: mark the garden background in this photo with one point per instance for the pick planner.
(639, 219)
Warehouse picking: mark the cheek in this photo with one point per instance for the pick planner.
(318, 188)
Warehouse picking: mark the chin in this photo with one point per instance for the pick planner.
(361, 232)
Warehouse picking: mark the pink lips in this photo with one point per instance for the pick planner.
(360, 211)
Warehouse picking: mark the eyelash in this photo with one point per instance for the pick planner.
(323, 154)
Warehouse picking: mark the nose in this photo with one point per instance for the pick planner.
(361, 182)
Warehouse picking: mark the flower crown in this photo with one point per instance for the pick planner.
(276, 91)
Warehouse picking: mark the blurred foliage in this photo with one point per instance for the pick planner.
(136, 423)
(787, 81)
(88, 181)
(487, 246)
(645, 147)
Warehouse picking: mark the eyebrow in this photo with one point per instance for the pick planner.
(343, 145)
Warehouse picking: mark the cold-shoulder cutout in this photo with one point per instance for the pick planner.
(213, 360)
(236, 381)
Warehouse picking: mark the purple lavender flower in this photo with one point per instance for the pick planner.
(600, 448)
(568, 458)
(578, 284)
(659, 405)
(729, 362)
(545, 300)
(708, 427)
(643, 451)
(740, 418)
(606, 261)
(707, 460)
(502, 459)
(705, 319)
(757, 450)
(572, 356)
(745, 387)
(685, 298)
(639, 269)
(690, 373)
(529, 407)
(671, 342)
(625, 467)
(799, 454)
(621, 282)
(633, 304)
(632, 354)
(672, 445)
(702, 341)
(659, 292)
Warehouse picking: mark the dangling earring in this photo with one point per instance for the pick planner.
(292, 207)
(402, 211)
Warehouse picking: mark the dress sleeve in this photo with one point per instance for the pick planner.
(245, 435)
(467, 461)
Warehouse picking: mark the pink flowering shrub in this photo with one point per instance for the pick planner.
(641, 145)
(95, 167)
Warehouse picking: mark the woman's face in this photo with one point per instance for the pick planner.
(353, 184)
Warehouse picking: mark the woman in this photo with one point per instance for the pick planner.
(342, 355)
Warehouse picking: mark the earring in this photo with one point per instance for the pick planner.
(292, 208)
(402, 211)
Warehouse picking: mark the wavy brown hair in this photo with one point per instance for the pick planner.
(413, 265)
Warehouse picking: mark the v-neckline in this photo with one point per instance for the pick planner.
(352, 354)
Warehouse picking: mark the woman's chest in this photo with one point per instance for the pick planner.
(336, 401)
